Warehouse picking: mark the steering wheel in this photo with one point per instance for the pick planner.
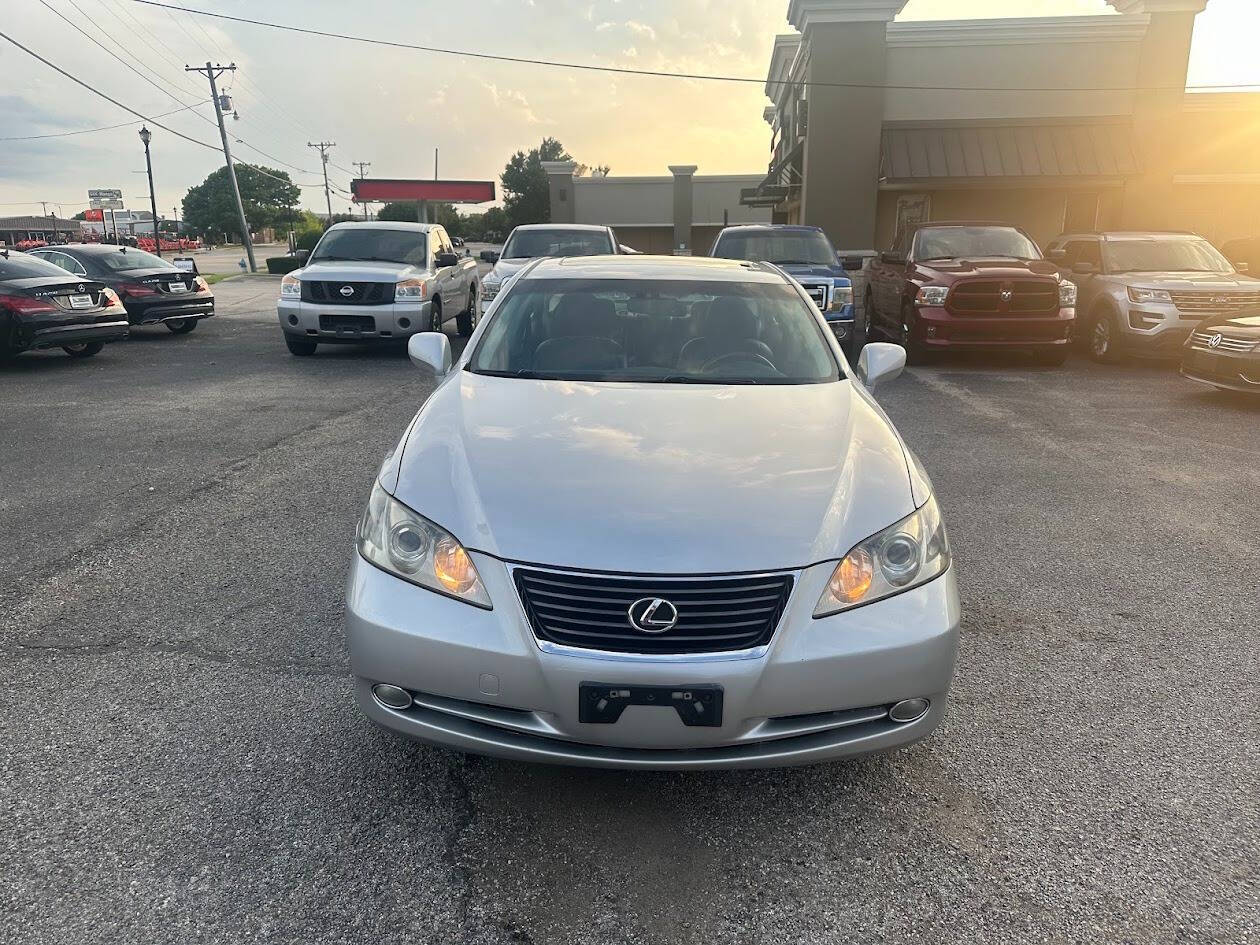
(746, 356)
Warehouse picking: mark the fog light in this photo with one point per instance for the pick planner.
(909, 710)
(293, 319)
(392, 697)
(404, 323)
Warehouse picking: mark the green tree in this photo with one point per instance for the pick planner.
(209, 208)
(526, 196)
(406, 211)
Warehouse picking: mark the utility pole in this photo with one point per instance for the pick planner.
(212, 72)
(44, 204)
(323, 153)
(363, 166)
(435, 157)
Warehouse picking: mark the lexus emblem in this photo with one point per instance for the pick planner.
(1215, 340)
(347, 290)
(652, 615)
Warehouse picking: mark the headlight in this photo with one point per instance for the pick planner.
(910, 553)
(841, 295)
(412, 548)
(490, 288)
(411, 290)
(934, 295)
(290, 287)
(1149, 295)
(1067, 294)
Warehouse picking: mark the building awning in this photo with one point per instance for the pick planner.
(1053, 155)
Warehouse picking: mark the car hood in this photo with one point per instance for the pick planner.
(653, 478)
(947, 270)
(360, 272)
(1189, 280)
(505, 269)
(814, 272)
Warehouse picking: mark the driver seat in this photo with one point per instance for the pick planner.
(727, 326)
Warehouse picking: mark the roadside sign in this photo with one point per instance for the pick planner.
(105, 199)
(97, 215)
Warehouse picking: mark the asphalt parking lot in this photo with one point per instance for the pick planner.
(182, 761)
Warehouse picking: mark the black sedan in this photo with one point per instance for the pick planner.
(41, 306)
(1225, 352)
(151, 288)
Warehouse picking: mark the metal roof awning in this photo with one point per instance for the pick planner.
(1052, 155)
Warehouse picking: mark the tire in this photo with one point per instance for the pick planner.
(300, 346)
(183, 326)
(1051, 357)
(1101, 337)
(868, 310)
(466, 320)
(435, 316)
(83, 350)
(916, 351)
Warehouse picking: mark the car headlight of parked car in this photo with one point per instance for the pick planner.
(290, 287)
(901, 557)
(411, 290)
(934, 295)
(410, 547)
(1149, 295)
(490, 288)
(1067, 294)
(841, 295)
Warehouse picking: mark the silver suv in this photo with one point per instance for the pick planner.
(1143, 293)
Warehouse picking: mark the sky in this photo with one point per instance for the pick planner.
(393, 107)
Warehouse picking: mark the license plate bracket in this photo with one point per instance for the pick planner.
(698, 706)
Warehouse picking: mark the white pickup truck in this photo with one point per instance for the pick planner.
(367, 282)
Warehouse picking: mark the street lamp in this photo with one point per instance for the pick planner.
(145, 135)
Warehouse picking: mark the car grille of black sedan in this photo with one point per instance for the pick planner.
(715, 614)
(361, 293)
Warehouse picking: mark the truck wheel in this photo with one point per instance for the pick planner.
(868, 317)
(183, 326)
(1102, 337)
(435, 318)
(83, 350)
(466, 320)
(300, 346)
(916, 351)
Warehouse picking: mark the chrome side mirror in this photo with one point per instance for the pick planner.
(432, 350)
(880, 362)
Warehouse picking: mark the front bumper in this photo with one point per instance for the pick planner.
(1155, 330)
(314, 321)
(1231, 370)
(841, 323)
(819, 691)
(937, 328)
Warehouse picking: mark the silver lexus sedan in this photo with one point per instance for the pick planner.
(652, 519)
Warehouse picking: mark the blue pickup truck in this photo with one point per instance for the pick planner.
(804, 253)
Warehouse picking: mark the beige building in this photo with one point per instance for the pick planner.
(681, 213)
(1056, 124)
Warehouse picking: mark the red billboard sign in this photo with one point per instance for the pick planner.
(97, 215)
(446, 191)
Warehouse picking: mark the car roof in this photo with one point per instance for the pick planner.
(91, 249)
(804, 227)
(683, 268)
(384, 225)
(591, 227)
(1132, 235)
(928, 224)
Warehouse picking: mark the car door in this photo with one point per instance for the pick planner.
(448, 277)
(891, 275)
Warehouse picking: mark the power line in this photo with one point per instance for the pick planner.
(88, 131)
(620, 70)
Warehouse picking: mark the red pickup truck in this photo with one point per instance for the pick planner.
(974, 286)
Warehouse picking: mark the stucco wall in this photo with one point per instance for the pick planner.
(649, 201)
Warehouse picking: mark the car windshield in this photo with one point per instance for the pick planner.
(1163, 256)
(973, 242)
(529, 244)
(369, 244)
(19, 266)
(655, 331)
(124, 260)
(781, 248)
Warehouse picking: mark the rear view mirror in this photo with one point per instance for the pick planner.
(880, 362)
(1058, 255)
(303, 255)
(432, 350)
(892, 259)
(1242, 267)
(443, 260)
